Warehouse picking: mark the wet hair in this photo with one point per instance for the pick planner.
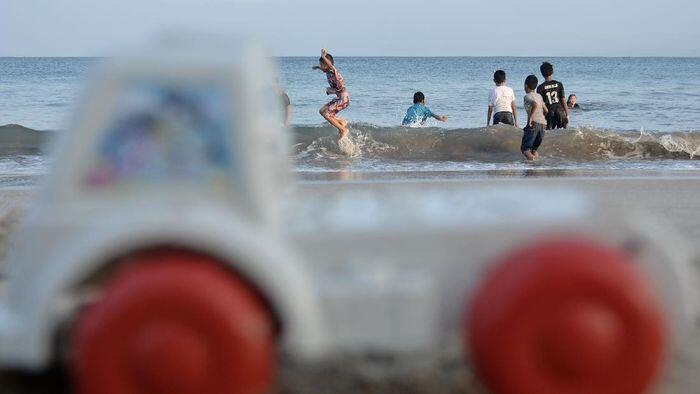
(570, 96)
(531, 82)
(547, 69)
(329, 57)
(499, 76)
(418, 97)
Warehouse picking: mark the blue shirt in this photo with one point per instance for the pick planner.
(417, 113)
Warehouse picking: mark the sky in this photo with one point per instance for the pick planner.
(361, 27)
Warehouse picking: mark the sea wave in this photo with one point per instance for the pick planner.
(17, 139)
(494, 144)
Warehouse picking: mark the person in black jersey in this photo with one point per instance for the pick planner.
(552, 93)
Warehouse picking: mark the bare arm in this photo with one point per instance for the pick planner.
(535, 107)
(515, 113)
(488, 115)
(327, 62)
(288, 116)
(441, 118)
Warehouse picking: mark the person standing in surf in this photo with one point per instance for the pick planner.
(502, 102)
(337, 87)
(552, 93)
(533, 133)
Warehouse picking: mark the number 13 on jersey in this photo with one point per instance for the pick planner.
(552, 97)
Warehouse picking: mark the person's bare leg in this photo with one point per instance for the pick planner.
(528, 155)
(325, 112)
(343, 123)
(342, 131)
(535, 154)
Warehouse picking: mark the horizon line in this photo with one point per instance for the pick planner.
(399, 56)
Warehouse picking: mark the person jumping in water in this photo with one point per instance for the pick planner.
(502, 102)
(337, 87)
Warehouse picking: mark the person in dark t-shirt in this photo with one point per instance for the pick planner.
(286, 108)
(285, 103)
(571, 102)
(552, 93)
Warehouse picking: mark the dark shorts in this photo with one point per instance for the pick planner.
(556, 118)
(532, 137)
(338, 104)
(503, 117)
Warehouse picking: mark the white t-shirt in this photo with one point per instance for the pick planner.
(501, 98)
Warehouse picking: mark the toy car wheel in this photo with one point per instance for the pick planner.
(174, 322)
(566, 316)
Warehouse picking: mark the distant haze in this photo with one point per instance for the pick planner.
(362, 27)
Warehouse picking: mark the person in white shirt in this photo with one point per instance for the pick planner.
(502, 102)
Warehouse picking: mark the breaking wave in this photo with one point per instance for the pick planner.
(17, 139)
(494, 144)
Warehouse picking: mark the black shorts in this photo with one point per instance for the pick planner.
(532, 137)
(504, 117)
(556, 118)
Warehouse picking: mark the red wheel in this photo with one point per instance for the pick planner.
(566, 316)
(174, 322)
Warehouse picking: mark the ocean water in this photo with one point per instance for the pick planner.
(653, 94)
(636, 113)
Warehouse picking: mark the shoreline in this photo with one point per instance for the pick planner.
(673, 199)
(360, 176)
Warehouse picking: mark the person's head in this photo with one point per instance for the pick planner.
(418, 98)
(547, 69)
(276, 85)
(323, 65)
(530, 83)
(499, 77)
(572, 100)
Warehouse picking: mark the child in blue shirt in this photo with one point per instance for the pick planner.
(418, 113)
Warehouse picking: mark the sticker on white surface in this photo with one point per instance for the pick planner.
(161, 133)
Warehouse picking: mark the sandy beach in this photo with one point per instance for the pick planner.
(675, 199)
(671, 198)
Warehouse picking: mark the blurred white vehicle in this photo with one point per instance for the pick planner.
(162, 256)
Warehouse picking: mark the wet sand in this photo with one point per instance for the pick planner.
(13, 203)
(673, 198)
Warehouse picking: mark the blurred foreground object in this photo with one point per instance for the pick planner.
(161, 257)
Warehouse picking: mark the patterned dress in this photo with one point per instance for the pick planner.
(337, 83)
